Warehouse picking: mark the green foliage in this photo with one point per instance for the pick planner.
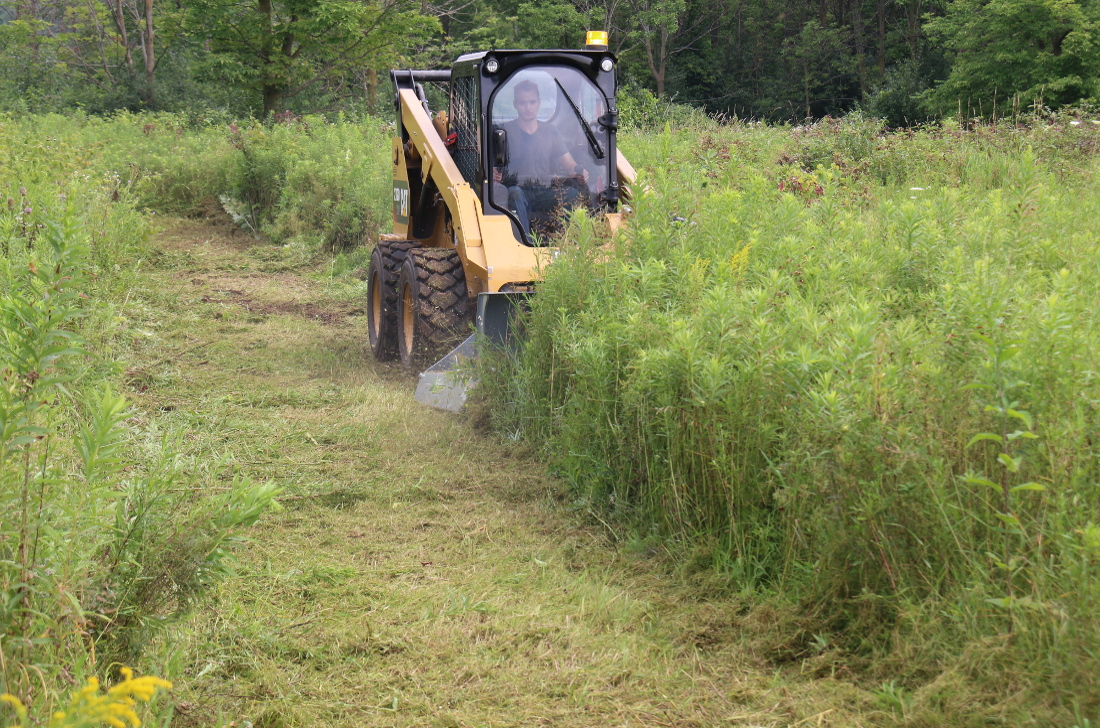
(845, 141)
(897, 100)
(816, 56)
(789, 363)
(894, 698)
(276, 50)
(905, 62)
(640, 109)
(322, 183)
(1020, 52)
(307, 180)
(102, 541)
(550, 25)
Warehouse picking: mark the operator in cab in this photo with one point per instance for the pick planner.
(537, 157)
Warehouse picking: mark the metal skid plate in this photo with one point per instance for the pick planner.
(444, 384)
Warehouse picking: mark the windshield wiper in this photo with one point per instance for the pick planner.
(592, 141)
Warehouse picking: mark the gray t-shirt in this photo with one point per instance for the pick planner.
(533, 159)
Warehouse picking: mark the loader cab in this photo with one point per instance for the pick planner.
(481, 190)
(534, 135)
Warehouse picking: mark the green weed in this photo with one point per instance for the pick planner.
(102, 541)
(862, 368)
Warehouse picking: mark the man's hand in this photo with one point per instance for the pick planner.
(579, 172)
(498, 175)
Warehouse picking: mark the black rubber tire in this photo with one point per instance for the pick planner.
(433, 309)
(385, 265)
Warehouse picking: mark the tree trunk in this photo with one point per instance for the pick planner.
(372, 90)
(857, 32)
(662, 62)
(272, 95)
(1056, 40)
(913, 26)
(115, 6)
(881, 37)
(150, 57)
(271, 92)
(655, 58)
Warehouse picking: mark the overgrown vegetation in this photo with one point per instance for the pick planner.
(844, 375)
(855, 372)
(103, 540)
(89, 707)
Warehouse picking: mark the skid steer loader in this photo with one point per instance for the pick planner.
(481, 187)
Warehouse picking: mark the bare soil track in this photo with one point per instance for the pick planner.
(419, 574)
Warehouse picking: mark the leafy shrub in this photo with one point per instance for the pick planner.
(307, 179)
(897, 100)
(640, 109)
(850, 139)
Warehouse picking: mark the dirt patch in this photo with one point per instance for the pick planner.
(269, 286)
(330, 315)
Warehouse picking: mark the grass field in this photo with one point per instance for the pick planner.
(766, 503)
(419, 572)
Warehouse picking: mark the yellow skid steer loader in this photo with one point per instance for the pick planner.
(481, 188)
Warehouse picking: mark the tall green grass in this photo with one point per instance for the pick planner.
(322, 184)
(861, 370)
(101, 545)
(855, 369)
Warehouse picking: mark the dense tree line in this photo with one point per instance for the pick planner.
(905, 60)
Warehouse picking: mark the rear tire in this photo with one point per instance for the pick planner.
(432, 303)
(385, 265)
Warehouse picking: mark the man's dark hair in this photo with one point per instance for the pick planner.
(527, 86)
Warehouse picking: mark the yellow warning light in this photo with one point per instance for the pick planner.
(596, 40)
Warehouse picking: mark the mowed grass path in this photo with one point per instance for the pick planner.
(420, 573)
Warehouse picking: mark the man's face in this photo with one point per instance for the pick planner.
(527, 104)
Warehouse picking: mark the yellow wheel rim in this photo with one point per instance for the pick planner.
(376, 305)
(407, 319)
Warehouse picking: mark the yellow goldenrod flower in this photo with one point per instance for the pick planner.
(17, 706)
(89, 707)
(739, 261)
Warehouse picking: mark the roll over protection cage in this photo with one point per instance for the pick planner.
(413, 79)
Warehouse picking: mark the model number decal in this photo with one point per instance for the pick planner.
(401, 202)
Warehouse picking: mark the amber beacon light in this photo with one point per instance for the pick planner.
(595, 40)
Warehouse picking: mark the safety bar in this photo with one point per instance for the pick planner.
(406, 77)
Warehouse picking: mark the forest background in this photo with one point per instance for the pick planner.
(905, 61)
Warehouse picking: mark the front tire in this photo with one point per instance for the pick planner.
(385, 266)
(433, 306)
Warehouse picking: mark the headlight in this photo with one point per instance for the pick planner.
(607, 64)
(492, 65)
